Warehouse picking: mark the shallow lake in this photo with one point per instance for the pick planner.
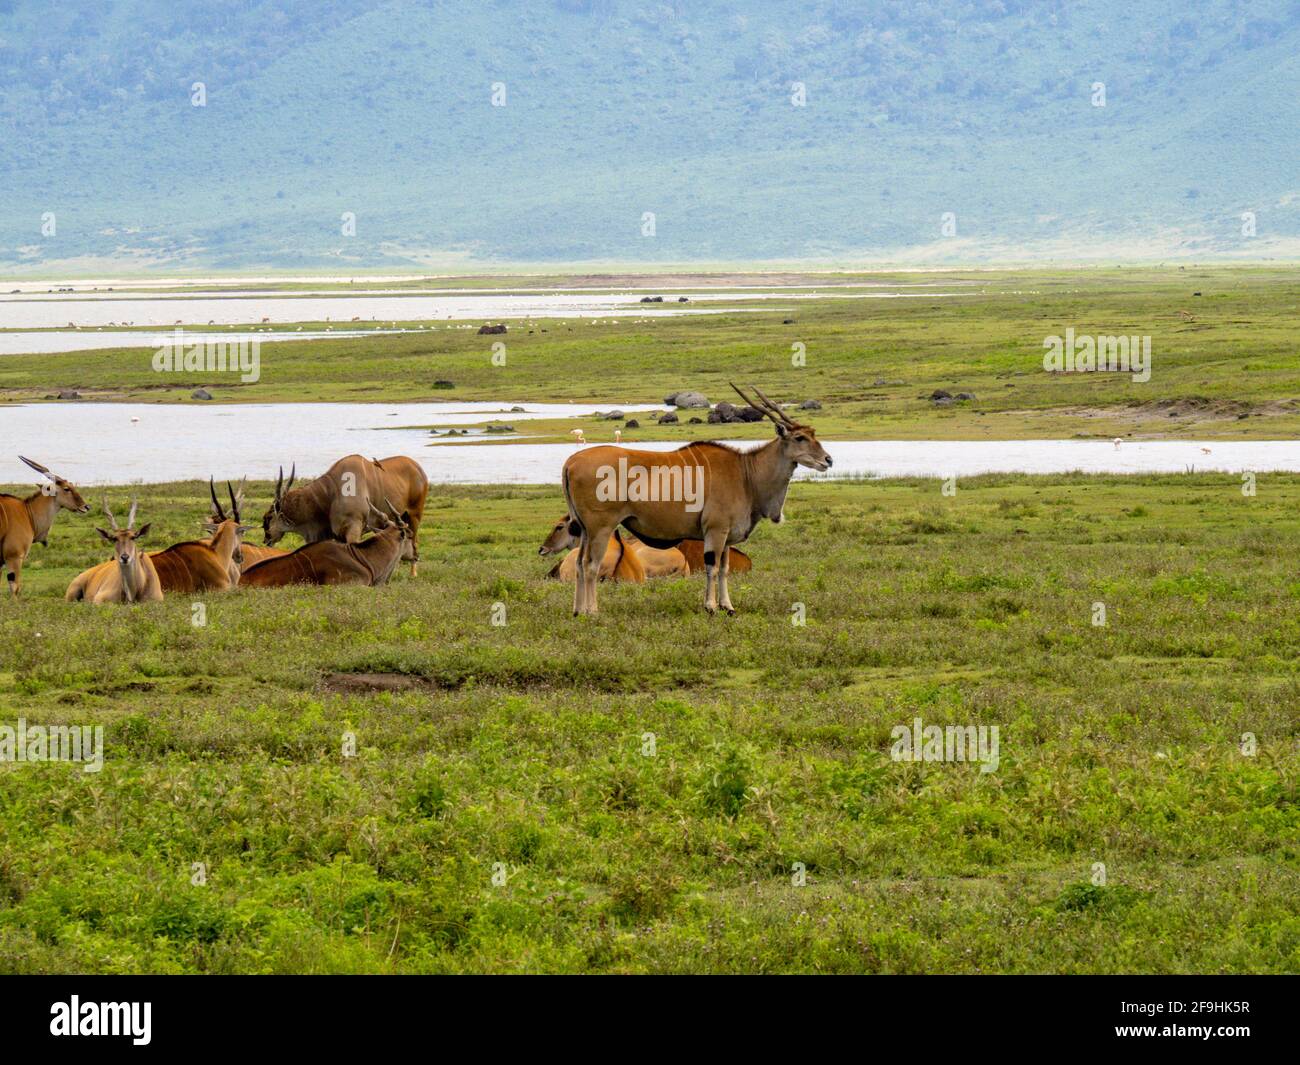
(99, 443)
(56, 311)
(56, 340)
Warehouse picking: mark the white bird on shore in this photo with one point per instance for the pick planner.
(1118, 441)
(618, 436)
(578, 438)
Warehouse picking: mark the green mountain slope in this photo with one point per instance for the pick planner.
(615, 109)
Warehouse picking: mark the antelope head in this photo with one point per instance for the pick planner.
(562, 537)
(798, 443)
(63, 491)
(380, 521)
(126, 549)
(274, 524)
(219, 517)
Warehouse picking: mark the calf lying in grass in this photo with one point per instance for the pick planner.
(625, 554)
(370, 562)
(129, 577)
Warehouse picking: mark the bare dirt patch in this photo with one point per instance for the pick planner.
(367, 683)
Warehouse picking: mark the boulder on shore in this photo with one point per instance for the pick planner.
(686, 399)
(728, 413)
(200, 393)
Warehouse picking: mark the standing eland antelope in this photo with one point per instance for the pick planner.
(338, 504)
(27, 521)
(370, 562)
(703, 491)
(132, 579)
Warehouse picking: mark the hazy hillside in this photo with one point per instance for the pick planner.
(613, 109)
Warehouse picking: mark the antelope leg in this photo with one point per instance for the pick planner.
(579, 581)
(596, 547)
(715, 546)
(724, 567)
(715, 550)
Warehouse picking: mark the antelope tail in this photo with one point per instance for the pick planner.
(575, 523)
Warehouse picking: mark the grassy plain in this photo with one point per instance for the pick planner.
(520, 748)
(1224, 359)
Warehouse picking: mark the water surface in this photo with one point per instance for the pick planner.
(100, 443)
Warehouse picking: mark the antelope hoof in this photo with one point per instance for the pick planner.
(731, 611)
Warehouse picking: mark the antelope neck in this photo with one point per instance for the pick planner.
(40, 511)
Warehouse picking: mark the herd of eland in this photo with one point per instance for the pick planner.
(631, 515)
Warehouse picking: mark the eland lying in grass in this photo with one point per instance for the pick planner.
(210, 565)
(620, 563)
(370, 562)
(130, 578)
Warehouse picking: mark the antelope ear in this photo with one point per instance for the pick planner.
(143, 530)
(209, 528)
(780, 429)
(106, 535)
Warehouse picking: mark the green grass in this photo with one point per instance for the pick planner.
(522, 745)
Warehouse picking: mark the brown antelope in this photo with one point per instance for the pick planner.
(131, 579)
(704, 491)
(680, 561)
(210, 565)
(255, 553)
(693, 552)
(370, 562)
(656, 561)
(338, 503)
(27, 521)
(620, 563)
